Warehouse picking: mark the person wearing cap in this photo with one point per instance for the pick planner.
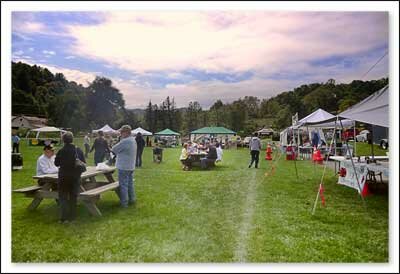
(68, 177)
(100, 147)
(45, 163)
(125, 151)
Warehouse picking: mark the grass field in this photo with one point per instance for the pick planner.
(228, 214)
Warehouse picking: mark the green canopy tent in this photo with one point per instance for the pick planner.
(167, 132)
(169, 137)
(211, 132)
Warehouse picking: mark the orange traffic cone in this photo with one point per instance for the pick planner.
(365, 190)
(268, 153)
(314, 154)
(318, 157)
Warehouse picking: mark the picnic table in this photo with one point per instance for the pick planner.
(196, 156)
(90, 188)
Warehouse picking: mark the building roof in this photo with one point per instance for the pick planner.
(213, 130)
(167, 131)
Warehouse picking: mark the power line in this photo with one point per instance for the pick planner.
(374, 64)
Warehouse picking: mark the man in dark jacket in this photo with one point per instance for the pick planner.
(100, 147)
(140, 147)
(68, 177)
(210, 158)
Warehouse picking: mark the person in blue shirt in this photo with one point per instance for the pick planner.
(125, 151)
(15, 140)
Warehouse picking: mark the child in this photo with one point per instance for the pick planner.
(185, 158)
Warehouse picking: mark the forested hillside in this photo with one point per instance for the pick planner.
(36, 91)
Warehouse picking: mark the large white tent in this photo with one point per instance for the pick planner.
(142, 131)
(372, 110)
(46, 129)
(106, 129)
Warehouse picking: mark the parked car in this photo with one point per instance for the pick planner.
(363, 136)
(246, 141)
(384, 143)
(348, 134)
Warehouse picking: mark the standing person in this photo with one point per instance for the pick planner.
(140, 147)
(185, 158)
(125, 151)
(148, 142)
(219, 152)
(255, 147)
(86, 142)
(15, 140)
(68, 177)
(100, 147)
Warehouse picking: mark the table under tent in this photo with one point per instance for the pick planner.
(211, 134)
(167, 138)
(358, 172)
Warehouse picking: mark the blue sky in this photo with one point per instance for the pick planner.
(203, 56)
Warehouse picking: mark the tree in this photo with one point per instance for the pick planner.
(103, 102)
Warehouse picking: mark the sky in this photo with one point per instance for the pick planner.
(203, 55)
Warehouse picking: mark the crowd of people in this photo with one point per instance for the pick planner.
(207, 154)
(126, 154)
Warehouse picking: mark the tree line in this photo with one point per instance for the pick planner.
(38, 92)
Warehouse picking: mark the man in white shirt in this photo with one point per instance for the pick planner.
(45, 163)
(219, 152)
(255, 147)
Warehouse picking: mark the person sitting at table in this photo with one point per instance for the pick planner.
(210, 158)
(219, 152)
(45, 163)
(185, 158)
(68, 177)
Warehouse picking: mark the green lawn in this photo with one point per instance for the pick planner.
(228, 214)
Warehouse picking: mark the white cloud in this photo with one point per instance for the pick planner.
(48, 52)
(226, 41)
(31, 49)
(70, 57)
(19, 52)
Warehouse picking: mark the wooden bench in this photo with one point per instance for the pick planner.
(98, 190)
(90, 197)
(28, 190)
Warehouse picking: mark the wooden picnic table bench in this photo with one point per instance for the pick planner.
(90, 188)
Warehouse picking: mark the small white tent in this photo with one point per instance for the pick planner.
(142, 131)
(106, 129)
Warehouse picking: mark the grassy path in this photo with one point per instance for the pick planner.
(248, 212)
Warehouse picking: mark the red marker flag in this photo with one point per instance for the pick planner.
(321, 194)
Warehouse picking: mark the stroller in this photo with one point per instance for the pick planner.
(157, 154)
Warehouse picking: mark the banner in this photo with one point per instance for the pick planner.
(350, 178)
(295, 119)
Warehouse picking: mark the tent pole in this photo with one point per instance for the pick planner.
(354, 138)
(298, 141)
(322, 178)
(372, 143)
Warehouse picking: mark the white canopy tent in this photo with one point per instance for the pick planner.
(142, 131)
(314, 123)
(372, 110)
(46, 129)
(106, 129)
